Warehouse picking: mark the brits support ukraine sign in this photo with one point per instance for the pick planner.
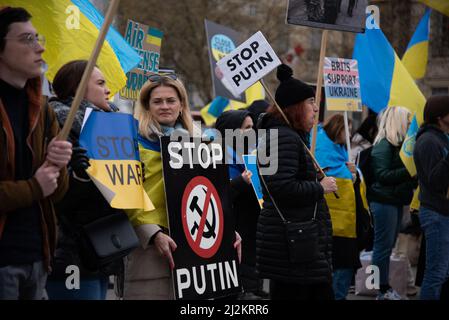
(115, 168)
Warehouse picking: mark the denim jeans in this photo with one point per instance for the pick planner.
(436, 272)
(387, 222)
(341, 282)
(92, 288)
(23, 282)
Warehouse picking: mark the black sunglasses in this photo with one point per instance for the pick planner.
(158, 77)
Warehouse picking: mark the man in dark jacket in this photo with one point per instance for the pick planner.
(32, 173)
(431, 157)
(295, 190)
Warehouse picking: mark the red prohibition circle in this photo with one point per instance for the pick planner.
(195, 245)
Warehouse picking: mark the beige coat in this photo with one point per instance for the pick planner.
(147, 273)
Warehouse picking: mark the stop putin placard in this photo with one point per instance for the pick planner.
(201, 220)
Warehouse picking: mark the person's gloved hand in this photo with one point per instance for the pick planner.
(79, 162)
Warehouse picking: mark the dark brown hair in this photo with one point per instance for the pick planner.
(9, 16)
(334, 126)
(68, 78)
(294, 114)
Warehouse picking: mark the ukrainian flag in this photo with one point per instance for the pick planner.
(439, 5)
(212, 111)
(154, 37)
(343, 210)
(111, 143)
(150, 154)
(385, 82)
(416, 55)
(71, 28)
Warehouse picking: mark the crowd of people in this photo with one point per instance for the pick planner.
(46, 196)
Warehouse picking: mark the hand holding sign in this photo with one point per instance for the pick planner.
(165, 245)
(59, 152)
(238, 246)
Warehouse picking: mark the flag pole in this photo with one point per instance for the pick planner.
(319, 86)
(315, 162)
(348, 140)
(80, 92)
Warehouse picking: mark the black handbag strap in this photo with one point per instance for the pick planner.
(274, 202)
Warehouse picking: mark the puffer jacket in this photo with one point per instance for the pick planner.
(296, 191)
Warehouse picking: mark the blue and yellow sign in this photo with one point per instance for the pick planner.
(115, 168)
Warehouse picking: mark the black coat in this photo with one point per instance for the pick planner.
(245, 206)
(431, 156)
(295, 190)
(83, 203)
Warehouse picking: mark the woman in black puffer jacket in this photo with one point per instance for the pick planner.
(295, 188)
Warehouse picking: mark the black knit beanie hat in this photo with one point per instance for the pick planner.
(291, 91)
(436, 107)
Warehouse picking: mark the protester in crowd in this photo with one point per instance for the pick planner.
(256, 109)
(364, 137)
(295, 190)
(431, 157)
(391, 190)
(244, 202)
(163, 107)
(83, 202)
(348, 211)
(32, 164)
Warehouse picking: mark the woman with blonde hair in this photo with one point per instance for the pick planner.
(163, 107)
(391, 190)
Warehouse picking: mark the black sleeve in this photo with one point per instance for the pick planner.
(434, 165)
(239, 187)
(284, 185)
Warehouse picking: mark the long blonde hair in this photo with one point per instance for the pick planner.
(393, 125)
(147, 124)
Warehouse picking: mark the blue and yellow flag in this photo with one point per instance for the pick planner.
(71, 28)
(343, 210)
(154, 37)
(212, 111)
(385, 82)
(439, 5)
(150, 153)
(115, 168)
(416, 56)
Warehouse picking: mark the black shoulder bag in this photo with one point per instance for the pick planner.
(302, 237)
(107, 239)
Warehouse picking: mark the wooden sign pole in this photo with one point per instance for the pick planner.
(348, 140)
(319, 86)
(80, 92)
